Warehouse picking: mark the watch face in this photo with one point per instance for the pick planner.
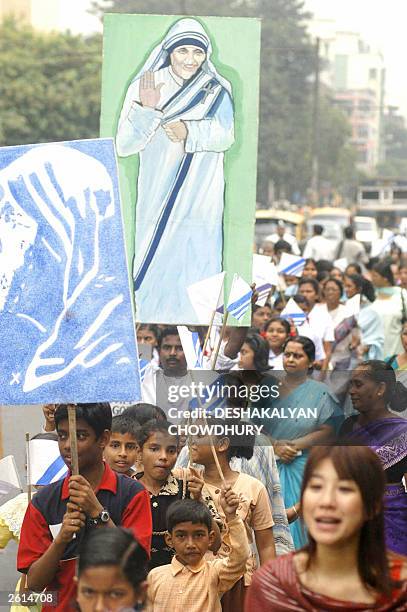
(104, 516)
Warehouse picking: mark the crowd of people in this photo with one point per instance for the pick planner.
(307, 512)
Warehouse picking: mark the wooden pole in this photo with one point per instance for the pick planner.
(222, 333)
(208, 334)
(28, 459)
(215, 456)
(72, 439)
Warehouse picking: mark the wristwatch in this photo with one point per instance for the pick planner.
(102, 519)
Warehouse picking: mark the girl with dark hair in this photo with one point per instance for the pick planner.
(111, 572)
(370, 325)
(260, 314)
(376, 395)
(276, 331)
(390, 305)
(310, 269)
(254, 354)
(303, 411)
(344, 566)
(254, 510)
(353, 268)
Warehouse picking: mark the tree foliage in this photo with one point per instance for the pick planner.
(50, 85)
(50, 89)
(395, 139)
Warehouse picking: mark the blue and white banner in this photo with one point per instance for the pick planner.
(292, 265)
(67, 332)
(239, 298)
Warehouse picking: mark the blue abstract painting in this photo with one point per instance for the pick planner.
(67, 331)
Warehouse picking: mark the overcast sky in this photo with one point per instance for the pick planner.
(381, 23)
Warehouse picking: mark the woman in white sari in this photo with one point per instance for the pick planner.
(178, 115)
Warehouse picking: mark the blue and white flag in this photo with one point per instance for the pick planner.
(207, 296)
(191, 346)
(143, 365)
(294, 312)
(239, 298)
(45, 463)
(265, 276)
(291, 264)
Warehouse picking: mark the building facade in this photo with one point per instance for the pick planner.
(355, 75)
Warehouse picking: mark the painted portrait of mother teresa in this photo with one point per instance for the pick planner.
(178, 115)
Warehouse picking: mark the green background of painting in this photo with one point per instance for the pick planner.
(128, 40)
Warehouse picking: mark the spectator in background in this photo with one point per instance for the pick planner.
(279, 248)
(390, 304)
(281, 233)
(350, 248)
(403, 274)
(260, 314)
(310, 268)
(267, 248)
(370, 326)
(318, 247)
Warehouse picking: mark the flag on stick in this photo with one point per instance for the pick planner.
(294, 312)
(239, 298)
(206, 296)
(291, 264)
(191, 346)
(44, 462)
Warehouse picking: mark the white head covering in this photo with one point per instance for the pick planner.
(184, 32)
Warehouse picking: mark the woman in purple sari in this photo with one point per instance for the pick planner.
(375, 394)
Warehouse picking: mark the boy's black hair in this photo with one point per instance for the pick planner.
(123, 424)
(98, 415)
(143, 413)
(152, 427)
(188, 511)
